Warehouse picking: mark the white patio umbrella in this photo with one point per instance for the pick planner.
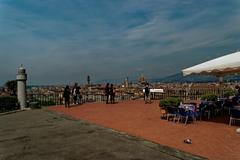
(220, 67)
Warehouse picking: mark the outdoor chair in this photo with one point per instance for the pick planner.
(234, 116)
(219, 107)
(163, 113)
(204, 109)
(212, 108)
(228, 105)
(182, 114)
(235, 99)
(172, 112)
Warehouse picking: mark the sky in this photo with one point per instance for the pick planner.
(63, 41)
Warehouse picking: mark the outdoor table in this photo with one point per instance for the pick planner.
(191, 109)
(188, 107)
(236, 107)
(222, 99)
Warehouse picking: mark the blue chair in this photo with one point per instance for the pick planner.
(192, 115)
(234, 115)
(172, 112)
(182, 114)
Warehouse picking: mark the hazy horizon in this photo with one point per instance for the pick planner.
(61, 42)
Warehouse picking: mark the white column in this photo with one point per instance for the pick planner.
(21, 87)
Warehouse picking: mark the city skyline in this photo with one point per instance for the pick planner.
(61, 42)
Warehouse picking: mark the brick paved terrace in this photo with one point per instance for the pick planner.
(216, 141)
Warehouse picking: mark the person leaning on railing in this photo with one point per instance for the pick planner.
(112, 94)
(107, 92)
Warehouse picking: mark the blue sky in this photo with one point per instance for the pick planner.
(62, 41)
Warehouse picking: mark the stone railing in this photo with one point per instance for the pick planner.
(57, 99)
(192, 94)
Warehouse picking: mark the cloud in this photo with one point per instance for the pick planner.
(175, 35)
(67, 40)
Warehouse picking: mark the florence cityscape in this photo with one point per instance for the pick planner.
(119, 80)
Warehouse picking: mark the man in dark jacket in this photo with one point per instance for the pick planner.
(66, 96)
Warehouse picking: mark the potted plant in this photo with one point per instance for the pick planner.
(169, 101)
(229, 92)
(209, 97)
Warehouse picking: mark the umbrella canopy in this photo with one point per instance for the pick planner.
(225, 65)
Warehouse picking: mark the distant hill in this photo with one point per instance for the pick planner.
(194, 78)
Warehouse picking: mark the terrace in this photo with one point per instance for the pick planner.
(209, 139)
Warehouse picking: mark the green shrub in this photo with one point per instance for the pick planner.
(170, 101)
(8, 103)
(47, 103)
(209, 97)
(229, 92)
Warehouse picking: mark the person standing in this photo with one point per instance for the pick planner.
(78, 95)
(107, 92)
(74, 94)
(66, 96)
(112, 94)
(146, 94)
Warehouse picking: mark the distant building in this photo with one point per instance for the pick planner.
(142, 79)
(125, 83)
(88, 80)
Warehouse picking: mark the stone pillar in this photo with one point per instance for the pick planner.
(21, 87)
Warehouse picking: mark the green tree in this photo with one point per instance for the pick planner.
(11, 87)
